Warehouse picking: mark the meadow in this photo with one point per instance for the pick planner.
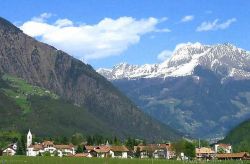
(72, 160)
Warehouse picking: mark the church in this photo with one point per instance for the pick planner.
(48, 147)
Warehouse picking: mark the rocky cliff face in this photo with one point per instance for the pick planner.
(45, 66)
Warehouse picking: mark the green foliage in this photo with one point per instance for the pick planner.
(20, 91)
(239, 137)
(46, 154)
(7, 137)
(21, 147)
(187, 147)
(79, 149)
(116, 141)
(77, 139)
(221, 150)
(131, 142)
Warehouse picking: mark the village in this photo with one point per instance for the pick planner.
(166, 151)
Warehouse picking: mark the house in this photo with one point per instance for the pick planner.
(48, 147)
(233, 156)
(204, 153)
(10, 150)
(223, 148)
(118, 151)
(163, 151)
(107, 151)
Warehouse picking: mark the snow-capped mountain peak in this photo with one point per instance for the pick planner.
(225, 59)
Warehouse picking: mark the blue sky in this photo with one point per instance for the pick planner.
(106, 32)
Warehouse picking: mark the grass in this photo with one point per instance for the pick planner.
(20, 90)
(72, 160)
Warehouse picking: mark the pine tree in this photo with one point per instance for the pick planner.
(79, 149)
(20, 149)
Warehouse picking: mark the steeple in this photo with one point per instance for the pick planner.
(29, 139)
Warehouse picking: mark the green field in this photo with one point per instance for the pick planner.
(20, 90)
(72, 160)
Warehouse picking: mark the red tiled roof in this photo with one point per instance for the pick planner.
(233, 155)
(102, 149)
(153, 147)
(90, 147)
(60, 147)
(119, 148)
(36, 147)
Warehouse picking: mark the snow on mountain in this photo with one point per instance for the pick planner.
(224, 59)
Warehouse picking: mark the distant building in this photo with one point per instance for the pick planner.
(204, 153)
(159, 151)
(10, 150)
(107, 151)
(233, 156)
(222, 148)
(48, 147)
(119, 151)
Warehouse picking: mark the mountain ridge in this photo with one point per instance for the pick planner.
(43, 65)
(183, 61)
(199, 86)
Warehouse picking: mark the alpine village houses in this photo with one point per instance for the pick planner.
(157, 151)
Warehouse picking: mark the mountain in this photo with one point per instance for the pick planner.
(85, 101)
(239, 137)
(202, 90)
(223, 59)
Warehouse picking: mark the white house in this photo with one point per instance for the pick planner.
(118, 151)
(163, 151)
(107, 151)
(10, 150)
(223, 148)
(48, 147)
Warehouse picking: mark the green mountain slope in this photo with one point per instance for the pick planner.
(24, 106)
(239, 137)
(69, 80)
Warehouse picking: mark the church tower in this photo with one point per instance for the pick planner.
(29, 139)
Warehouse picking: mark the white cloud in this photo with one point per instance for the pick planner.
(187, 18)
(164, 55)
(42, 17)
(215, 25)
(63, 22)
(107, 38)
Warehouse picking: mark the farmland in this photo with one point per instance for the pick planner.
(71, 160)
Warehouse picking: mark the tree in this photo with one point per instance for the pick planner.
(137, 152)
(20, 149)
(131, 142)
(187, 147)
(21, 146)
(221, 150)
(90, 140)
(189, 150)
(79, 149)
(116, 141)
(77, 139)
(65, 140)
